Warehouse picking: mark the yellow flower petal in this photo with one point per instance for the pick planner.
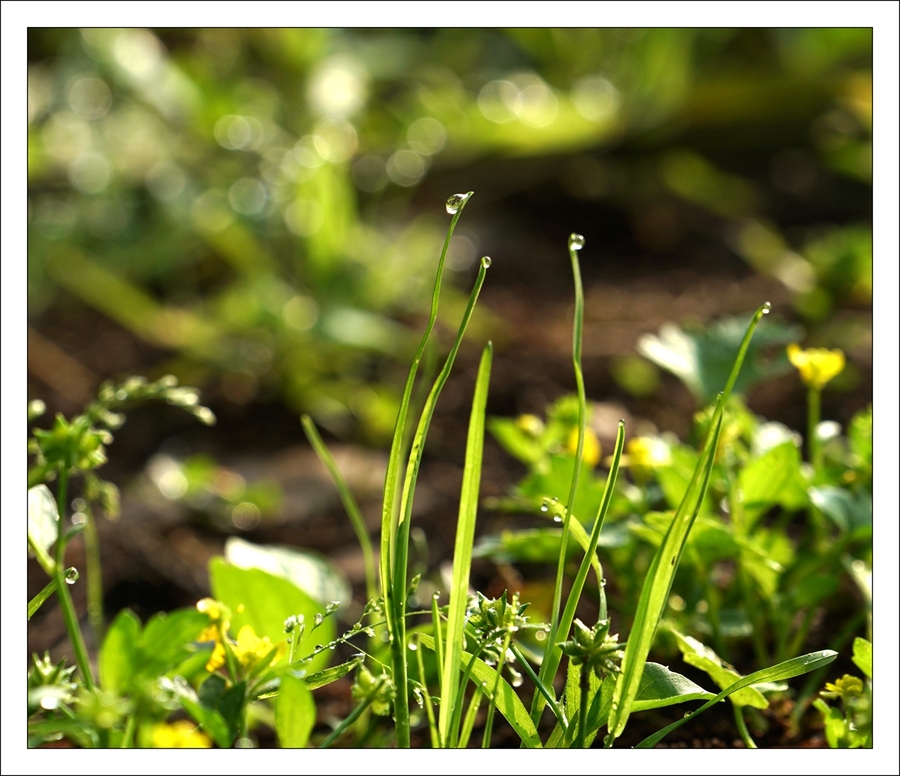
(591, 451)
(182, 734)
(817, 366)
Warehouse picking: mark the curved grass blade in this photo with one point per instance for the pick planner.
(796, 666)
(462, 553)
(349, 502)
(395, 594)
(659, 579)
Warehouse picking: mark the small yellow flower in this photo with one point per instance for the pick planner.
(643, 455)
(817, 366)
(250, 648)
(182, 734)
(845, 687)
(590, 451)
(530, 424)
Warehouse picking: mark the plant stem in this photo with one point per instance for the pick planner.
(62, 589)
(742, 727)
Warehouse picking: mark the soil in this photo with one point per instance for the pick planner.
(155, 556)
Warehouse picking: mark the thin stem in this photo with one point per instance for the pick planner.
(62, 589)
(94, 576)
(742, 727)
(351, 717)
(585, 684)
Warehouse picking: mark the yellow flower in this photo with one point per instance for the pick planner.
(530, 424)
(250, 648)
(643, 455)
(182, 734)
(846, 687)
(817, 366)
(591, 451)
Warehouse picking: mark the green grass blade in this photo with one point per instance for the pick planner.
(392, 475)
(796, 666)
(395, 594)
(462, 553)
(552, 654)
(657, 586)
(349, 502)
(508, 703)
(658, 583)
(35, 603)
(553, 657)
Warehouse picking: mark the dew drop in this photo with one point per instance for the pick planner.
(436, 595)
(576, 242)
(517, 681)
(71, 576)
(557, 519)
(319, 647)
(456, 202)
(485, 261)
(412, 646)
(545, 506)
(554, 500)
(603, 582)
(767, 308)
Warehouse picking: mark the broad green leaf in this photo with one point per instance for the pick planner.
(316, 575)
(851, 511)
(773, 479)
(264, 601)
(118, 660)
(43, 523)
(507, 702)
(862, 655)
(702, 359)
(164, 643)
(702, 657)
(517, 442)
(765, 556)
(210, 719)
(796, 666)
(295, 713)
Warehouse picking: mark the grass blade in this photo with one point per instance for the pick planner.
(349, 502)
(796, 666)
(659, 579)
(462, 553)
(395, 594)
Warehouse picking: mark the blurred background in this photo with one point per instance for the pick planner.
(260, 212)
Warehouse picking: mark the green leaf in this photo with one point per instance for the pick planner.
(329, 675)
(316, 575)
(210, 719)
(295, 713)
(661, 687)
(520, 444)
(702, 657)
(118, 655)
(507, 702)
(264, 601)
(772, 479)
(702, 359)
(164, 644)
(35, 603)
(848, 510)
(862, 655)
(557, 480)
(796, 666)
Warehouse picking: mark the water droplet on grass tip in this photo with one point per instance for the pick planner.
(767, 308)
(71, 576)
(456, 202)
(485, 261)
(576, 242)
